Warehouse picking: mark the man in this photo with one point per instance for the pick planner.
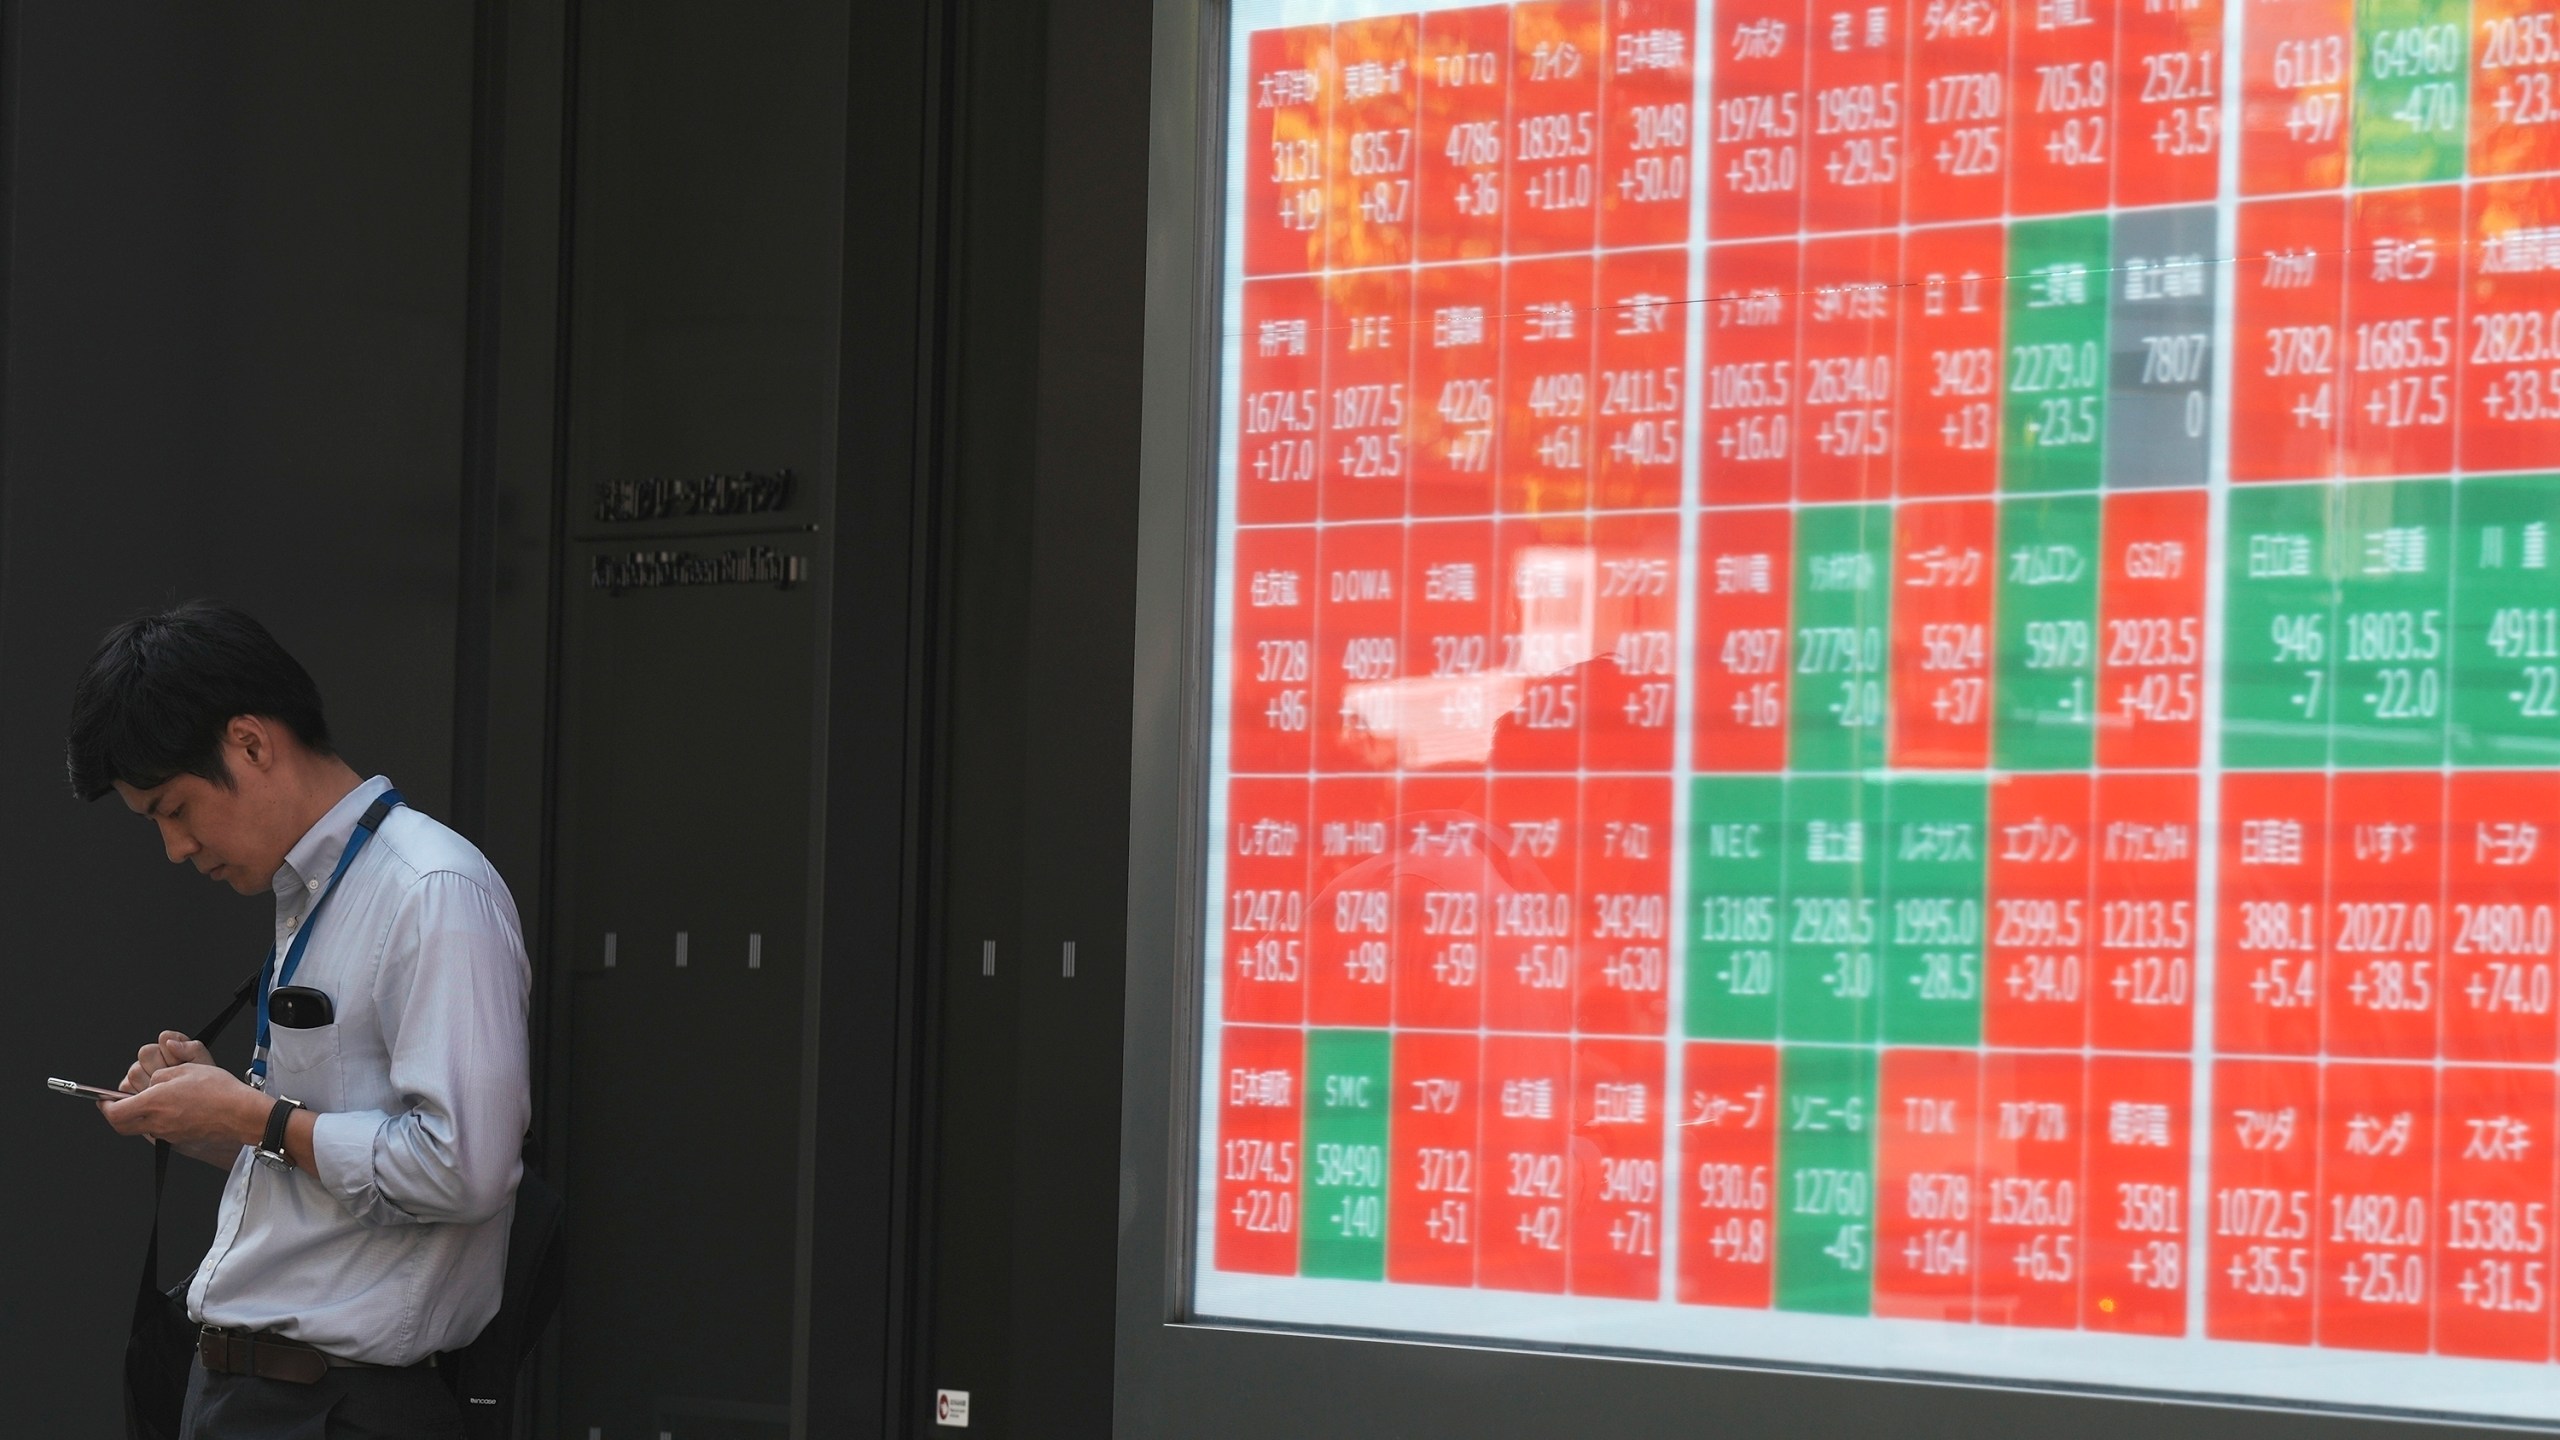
(374, 1146)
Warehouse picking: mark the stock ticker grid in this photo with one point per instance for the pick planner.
(1893, 659)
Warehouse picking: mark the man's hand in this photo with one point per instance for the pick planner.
(197, 1107)
(170, 1050)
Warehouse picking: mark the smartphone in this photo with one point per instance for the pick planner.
(79, 1091)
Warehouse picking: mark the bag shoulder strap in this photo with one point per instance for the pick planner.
(160, 1148)
(239, 1001)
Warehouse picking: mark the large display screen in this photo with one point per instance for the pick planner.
(1886, 688)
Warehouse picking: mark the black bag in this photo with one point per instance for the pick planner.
(483, 1373)
(162, 1345)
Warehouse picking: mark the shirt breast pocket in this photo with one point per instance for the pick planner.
(302, 1064)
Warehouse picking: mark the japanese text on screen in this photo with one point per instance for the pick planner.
(1887, 687)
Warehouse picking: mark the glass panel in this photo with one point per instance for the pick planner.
(1887, 688)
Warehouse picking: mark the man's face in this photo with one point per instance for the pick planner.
(224, 831)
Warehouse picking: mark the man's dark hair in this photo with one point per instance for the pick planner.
(159, 692)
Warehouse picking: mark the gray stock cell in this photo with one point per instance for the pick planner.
(2161, 348)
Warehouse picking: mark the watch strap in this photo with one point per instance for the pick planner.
(272, 1149)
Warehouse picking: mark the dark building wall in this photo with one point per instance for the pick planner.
(1043, 532)
(236, 326)
(340, 315)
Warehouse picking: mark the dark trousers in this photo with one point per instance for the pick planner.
(346, 1404)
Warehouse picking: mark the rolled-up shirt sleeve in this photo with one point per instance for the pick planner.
(452, 993)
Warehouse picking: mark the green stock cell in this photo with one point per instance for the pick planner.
(1836, 701)
(2393, 646)
(2413, 78)
(1832, 929)
(1737, 826)
(1933, 891)
(1344, 1234)
(2045, 636)
(2054, 408)
(1826, 1179)
(2279, 605)
(2506, 621)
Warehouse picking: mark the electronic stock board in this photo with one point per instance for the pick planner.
(1886, 688)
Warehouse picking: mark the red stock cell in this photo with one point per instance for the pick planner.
(1728, 1197)
(1268, 850)
(1626, 906)
(1640, 409)
(2062, 148)
(2032, 1248)
(1370, 163)
(2036, 989)
(1271, 694)
(2377, 1184)
(1557, 54)
(1645, 165)
(2288, 378)
(1288, 84)
(1368, 368)
(1542, 620)
(2511, 319)
(1849, 333)
(2139, 1168)
(1280, 397)
(1528, 1139)
(1359, 616)
(1441, 838)
(2260, 1278)
(2142, 986)
(1351, 910)
(2493, 1266)
(1455, 407)
(2168, 102)
(2152, 621)
(1533, 892)
(1465, 76)
(1756, 150)
(1435, 1178)
(2386, 916)
(1262, 1073)
(1928, 1120)
(1960, 103)
(1859, 116)
(1446, 710)
(2515, 88)
(1945, 558)
(1635, 626)
(1951, 340)
(1747, 454)
(2297, 67)
(1546, 396)
(2404, 290)
(1744, 557)
(2268, 929)
(2502, 875)
(1617, 1168)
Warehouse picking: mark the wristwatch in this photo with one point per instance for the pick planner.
(271, 1149)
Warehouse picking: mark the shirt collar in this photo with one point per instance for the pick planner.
(308, 865)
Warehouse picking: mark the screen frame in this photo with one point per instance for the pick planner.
(1180, 1377)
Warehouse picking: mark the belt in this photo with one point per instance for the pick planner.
(270, 1356)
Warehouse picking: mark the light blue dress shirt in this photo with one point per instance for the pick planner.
(394, 1247)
